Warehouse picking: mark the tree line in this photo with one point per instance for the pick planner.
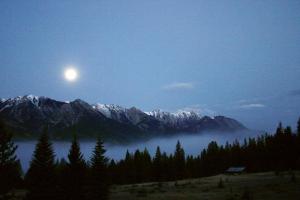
(269, 152)
(76, 178)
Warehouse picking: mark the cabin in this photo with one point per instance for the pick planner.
(235, 170)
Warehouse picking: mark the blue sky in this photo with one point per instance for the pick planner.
(236, 58)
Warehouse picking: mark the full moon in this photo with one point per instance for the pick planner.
(71, 74)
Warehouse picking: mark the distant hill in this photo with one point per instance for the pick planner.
(28, 115)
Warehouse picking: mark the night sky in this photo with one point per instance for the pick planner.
(235, 58)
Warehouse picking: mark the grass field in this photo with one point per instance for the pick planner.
(256, 186)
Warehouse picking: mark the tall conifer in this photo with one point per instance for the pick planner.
(179, 161)
(75, 172)
(157, 165)
(41, 176)
(98, 186)
(298, 127)
(10, 172)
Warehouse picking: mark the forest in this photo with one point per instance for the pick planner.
(77, 178)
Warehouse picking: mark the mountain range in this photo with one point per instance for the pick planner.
(27, 116)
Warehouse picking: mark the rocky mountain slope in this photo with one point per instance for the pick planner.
(28, 115)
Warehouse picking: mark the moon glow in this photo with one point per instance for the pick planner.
(71, 74)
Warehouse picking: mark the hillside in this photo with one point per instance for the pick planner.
(256, 186)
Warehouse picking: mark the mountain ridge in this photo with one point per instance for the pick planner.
(27, 116)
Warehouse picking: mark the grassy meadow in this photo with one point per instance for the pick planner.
(255, 186)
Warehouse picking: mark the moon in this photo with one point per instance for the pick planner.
(71, 74)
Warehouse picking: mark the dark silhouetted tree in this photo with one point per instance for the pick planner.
(157, 165)
(167, 167)
(288, 130)
(128, 169)
(41, 176)
(179, 161)
(98, 184)
(10, 170)
(75, 173)
(279, 129)
(113, 172)
(298, 127)
(298, 143)
(146, 166)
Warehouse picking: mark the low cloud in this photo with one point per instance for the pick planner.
(252, 105)
(179, 86)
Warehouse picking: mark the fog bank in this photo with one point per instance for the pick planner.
(192, 144)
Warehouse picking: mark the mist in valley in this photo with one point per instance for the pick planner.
(193, 144)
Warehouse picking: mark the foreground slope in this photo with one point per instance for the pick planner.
(256, 186)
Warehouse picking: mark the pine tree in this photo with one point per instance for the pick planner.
(10, 171)
(179, 161)
(298, 127)
(75, 173)
(157, 165)
(146, 165)
(288, 131)
(128, 170)
(298, 144)
(279, 129)
(112, 170)
(167, 169)
(41, 176)
(98, 186)
(137, 164)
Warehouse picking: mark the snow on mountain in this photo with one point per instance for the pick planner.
(174, 118)
(109, 109)
(33, 99)
(21, 99)
(121, 114)
(31, 113)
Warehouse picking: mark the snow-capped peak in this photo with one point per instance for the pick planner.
(174, 118)
(33, 99)
(185, 114)
(107, 109)
(21, 99)
(178, 114)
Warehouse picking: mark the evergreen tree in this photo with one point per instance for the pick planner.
(288, 130)
(191, 167)
(138, 166)
(279, 129)
(157, 165)
(75, 173)
(41, 176)
(146, 166)
(112, 171)
(10, 172)
(167, 167)
(298, 127)
(298, 144)
(179, 161)
(210, 159)
(128, 170)
(98, 187)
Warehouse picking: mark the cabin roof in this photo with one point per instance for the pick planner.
(235, 169)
